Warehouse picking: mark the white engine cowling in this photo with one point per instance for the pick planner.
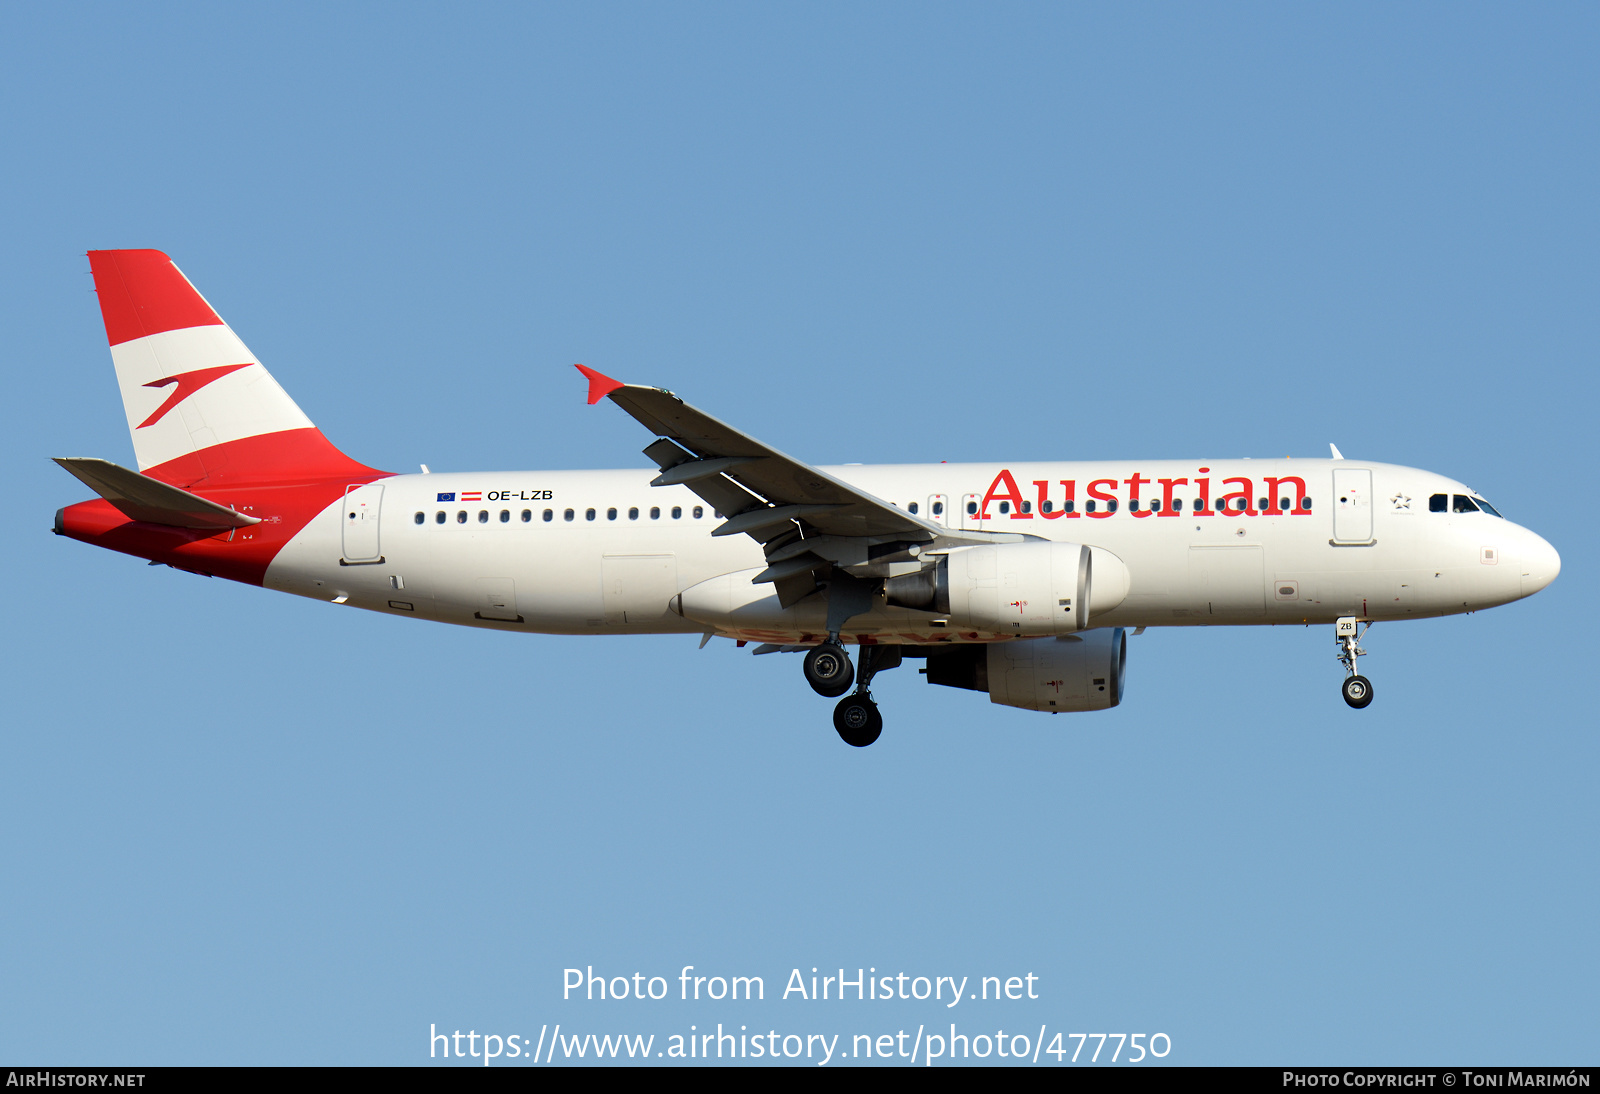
(1073, 673)
(1031, 588)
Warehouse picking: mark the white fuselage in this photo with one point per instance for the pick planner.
(504, 552)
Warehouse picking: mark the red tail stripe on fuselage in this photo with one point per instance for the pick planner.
(282, 478)
(242, 556)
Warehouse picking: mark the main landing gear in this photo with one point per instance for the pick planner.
(857, 720)
(829, 672)
(827, 669)
(1357, 689)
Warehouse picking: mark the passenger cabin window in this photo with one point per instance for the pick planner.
(1305, 503)
(1088, 507)
(699, 511)
(655, 512)
(611, 514)
(1047, 506)
(588, 514)
(1439, 503)
(505, 516)
(483, 516)
(913, 508)
(421, 517)
(527, 515)
(461, 517)
(1463, 504)
(550, 514)
(1283, 503)
(568, 515)
(1133, 506)
(1067, 506)
(972, 508)
(440, 518)
(938, 508)
(1005, 507)
(1111, 506)
(677, 512)
(633, 514)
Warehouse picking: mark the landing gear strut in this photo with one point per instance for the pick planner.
(1357, 689)
(829, 672)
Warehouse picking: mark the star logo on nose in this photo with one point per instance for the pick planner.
(1400, 501)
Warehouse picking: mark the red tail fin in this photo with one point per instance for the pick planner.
(200, 406)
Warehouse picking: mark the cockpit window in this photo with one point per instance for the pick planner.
(1463, 504)
(1487, 508)
(1439, 503)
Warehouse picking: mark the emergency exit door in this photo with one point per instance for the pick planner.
(969, 511)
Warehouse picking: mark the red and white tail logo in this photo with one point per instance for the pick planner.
(199, 405)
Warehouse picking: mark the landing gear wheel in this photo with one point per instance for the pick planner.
(857, 720)
(828, 670)
(1357, 691)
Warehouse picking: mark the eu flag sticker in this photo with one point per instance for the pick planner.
(448, 497)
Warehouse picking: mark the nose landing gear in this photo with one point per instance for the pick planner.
(1357, 689)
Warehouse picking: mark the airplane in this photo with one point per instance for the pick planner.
(1016, 579)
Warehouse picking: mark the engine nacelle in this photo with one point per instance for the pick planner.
(1072, 673)
(1031, 588)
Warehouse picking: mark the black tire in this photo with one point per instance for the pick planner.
(1357, 691)
(828, 670)
(857, 720)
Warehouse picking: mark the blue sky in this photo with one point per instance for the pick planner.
(245, 828)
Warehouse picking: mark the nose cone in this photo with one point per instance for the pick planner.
(1540, 564)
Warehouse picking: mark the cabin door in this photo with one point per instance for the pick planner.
(1352, 505)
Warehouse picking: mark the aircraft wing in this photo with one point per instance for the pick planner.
(771, 490)
(808, 522)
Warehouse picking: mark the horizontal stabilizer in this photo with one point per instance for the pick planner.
(143, 498)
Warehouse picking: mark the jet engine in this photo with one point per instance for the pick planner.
(1074, 672)
(1031, 588)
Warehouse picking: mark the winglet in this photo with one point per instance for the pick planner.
(1336, 453)
(600, 385)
